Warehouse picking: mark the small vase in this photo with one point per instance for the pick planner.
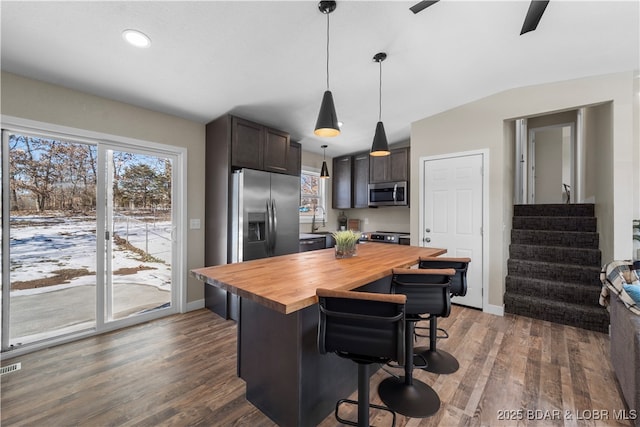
(346, 251)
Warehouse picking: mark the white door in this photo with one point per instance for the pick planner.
(452, 215)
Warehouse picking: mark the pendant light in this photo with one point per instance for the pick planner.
(324, 172)
(380, 147)
(327, 123)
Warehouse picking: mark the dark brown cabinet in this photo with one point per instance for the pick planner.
(394, 167)
(341, 179)
(352, 175)
(312, 244)
(247, 144)
(276, 151)
(259, 147)
(294, 158)
(350, 181)
(360, 180)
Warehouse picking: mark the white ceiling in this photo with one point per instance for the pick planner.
(265, 60)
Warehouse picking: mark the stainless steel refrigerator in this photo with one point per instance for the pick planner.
(265, 216)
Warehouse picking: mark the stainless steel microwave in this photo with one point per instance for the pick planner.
(389, 194)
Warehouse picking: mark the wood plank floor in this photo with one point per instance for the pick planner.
(180, 371)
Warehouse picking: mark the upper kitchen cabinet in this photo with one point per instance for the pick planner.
(259, 147)
(350, 181)
(394, 167)
(294, 158)
(341, 179)
(247, 145)
(360, 180)
(276, 151)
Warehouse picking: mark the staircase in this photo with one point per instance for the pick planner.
(554, 266)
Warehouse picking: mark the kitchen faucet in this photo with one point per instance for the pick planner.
(313, 220)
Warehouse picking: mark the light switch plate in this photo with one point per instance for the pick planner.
(194, 224)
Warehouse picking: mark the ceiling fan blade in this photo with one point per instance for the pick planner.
(422, 5)
(536, 9)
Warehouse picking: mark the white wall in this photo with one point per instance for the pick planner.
(35, 100)
(483, 124)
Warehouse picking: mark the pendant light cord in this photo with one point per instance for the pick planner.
(380, 95)
(327, 51)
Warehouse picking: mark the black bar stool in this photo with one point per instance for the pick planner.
(366, 328)
(427, 291)
(440, 361)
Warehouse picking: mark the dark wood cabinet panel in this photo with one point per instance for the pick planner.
(361, 180)
(394, 167)
(294, 158)
(341, 197)
(276, 151)
(399, 165)
(247, 144)
(378, 169)
(259, 147)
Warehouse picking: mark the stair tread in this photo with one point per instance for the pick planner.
(551, 247)
(562, 305)
(557, 264)
(578, 209)
(592, 317)
(596, 285)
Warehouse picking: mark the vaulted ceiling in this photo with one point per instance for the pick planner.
(265, 60)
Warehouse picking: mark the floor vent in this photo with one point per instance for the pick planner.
(10, 368)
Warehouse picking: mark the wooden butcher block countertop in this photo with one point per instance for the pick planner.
(288, 283)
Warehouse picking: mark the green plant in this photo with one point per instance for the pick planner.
(346, 238)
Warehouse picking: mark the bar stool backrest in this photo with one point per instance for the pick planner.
(364, 327)
(460, 265)
(427, 290)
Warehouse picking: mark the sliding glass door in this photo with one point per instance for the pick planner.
(89, 237)
(139, 234)
(52, 250)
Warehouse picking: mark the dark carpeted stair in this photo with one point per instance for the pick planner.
(554, 266)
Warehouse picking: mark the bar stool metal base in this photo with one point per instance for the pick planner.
(438, 361)
(416, 400)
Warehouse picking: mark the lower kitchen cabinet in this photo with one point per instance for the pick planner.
(312, 244)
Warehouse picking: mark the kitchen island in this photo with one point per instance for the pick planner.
(286, 377)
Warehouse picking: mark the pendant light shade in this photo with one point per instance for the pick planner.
(380, 147)
(324, 172)
(327, 123)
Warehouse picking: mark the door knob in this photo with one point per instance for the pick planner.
(427, 239)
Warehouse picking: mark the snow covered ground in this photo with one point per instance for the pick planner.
(40, 246)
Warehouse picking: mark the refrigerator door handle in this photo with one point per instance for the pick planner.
(274, 222)
(268, 231)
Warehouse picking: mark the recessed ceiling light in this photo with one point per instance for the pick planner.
(136, 38)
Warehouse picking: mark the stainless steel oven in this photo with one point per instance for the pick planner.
(386, 237)
(389, 194)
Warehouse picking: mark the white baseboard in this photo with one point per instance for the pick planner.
(195, 305)
(498, 310)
